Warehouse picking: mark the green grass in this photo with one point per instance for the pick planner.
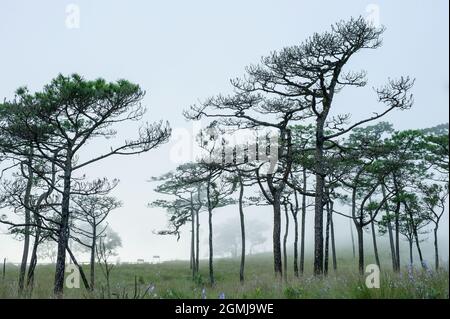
(173, 280)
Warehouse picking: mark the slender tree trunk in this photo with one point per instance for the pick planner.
(26, 241)
(397, 225)
(411, 258)
(92, 261)
(211, 252)
(302, 241)
(374, 240)
(419, 250)
(390, 234)
(353, 239)
(327, 239)
(285, 237)
(416, 237)
(197, 239)
(63, 233)
(392, 247)
(295, 245)
(210, 239)
(318, 226)
(34, 258)
(397, 236)
(242, 221)
(333, 243)
(33, 263)
(436, 250)
(192, 265)
(360, 237)
(276, 236)
(319, 198)
(294, 211)
(80, 269)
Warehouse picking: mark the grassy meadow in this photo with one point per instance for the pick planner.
(173, 280)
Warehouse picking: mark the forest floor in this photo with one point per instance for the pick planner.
(174, 280)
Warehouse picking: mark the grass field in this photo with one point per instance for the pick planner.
(173, 280)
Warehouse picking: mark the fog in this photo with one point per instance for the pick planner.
(181, 52)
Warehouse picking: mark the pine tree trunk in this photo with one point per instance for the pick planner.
(333, 243)
(375, 246)
(318, 225)
(327, 239)
(197, 240)
(276, 236)
(26, 241)
(397, 236)
(390, 234)
(302, 241)
(436, 250)
(242, 221)
(419, 250)
(295, 245)
(320, 197)
(192, 265)
(210, 238)
(63, 233)
(411, 258)
(80, 269)
(416, 237)
(285, 237)
(360, 233)
(92, 259)
(33, 262)
(353, 239)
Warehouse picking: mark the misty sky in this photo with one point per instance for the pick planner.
(181, 52)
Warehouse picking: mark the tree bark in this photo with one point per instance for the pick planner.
(436, 250)
(353, 239)
(276, 236)
(397, 236)
(210, 238)
(80, 269)
(327, 239)
(419, 250)
(397, 225)
(295, 245)
(285, 237)
(26, 241)
(360, 237)
(319, 198)
(416, 237)
(33, 262)
(92, 261)
(197, 239)
(302, 241)
(375, 246)
(411, 258)
(333, 243)
(390, 234)
(192, 264)
(33, 259)
(318, 225)
(242, 221)
(63, 234)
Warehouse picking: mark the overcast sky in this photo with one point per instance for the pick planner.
(183, 51)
